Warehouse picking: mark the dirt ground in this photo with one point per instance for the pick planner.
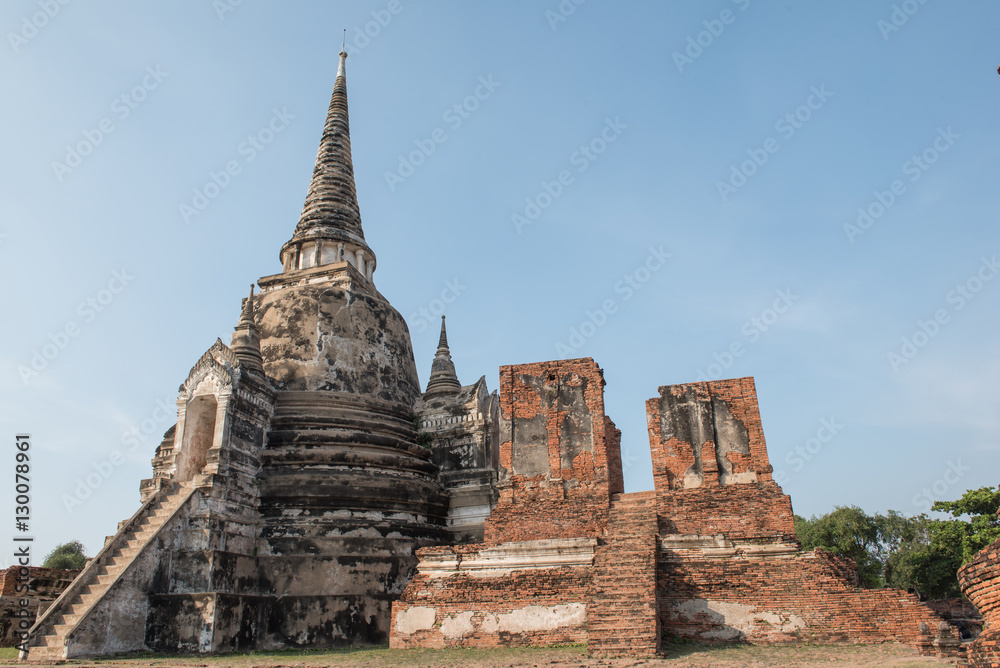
(681, 656)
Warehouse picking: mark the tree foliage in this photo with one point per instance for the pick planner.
(847, 532)
(67, 555)
(918, 552)
(983, 527)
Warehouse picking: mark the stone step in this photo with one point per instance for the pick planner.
(75, 609)
(111, 568)
(50, 640)
(47, 655)
(51, 647)
(62, 629)
(106, 579)
(88, 599)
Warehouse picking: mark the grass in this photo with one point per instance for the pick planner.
(375, 657)
(678, 654)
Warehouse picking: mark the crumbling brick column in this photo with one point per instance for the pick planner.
(559, 453)
(710, 465)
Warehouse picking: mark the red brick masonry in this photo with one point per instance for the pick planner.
(44, 585)
(980, 582)
(711, 554)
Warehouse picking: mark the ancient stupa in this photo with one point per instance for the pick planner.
(288, 500)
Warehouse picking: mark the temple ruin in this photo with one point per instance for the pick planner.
(310, 495)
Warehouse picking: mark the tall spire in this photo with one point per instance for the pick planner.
(246, 337)
(443, 378)
(329, 229)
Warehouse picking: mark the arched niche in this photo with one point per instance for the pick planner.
(198, 437)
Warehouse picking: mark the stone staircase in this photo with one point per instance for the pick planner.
(623, 619)
(51, 634)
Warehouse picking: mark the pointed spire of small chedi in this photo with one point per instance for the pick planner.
(329, 229)
(443, 378)
(246, 338)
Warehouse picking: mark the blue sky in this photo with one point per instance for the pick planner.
(672, 189)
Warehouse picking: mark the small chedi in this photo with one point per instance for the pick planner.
(311, 496)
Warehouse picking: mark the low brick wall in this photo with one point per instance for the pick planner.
(806, 596)
(40, 586)
(523, 608)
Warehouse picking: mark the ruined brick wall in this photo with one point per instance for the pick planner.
(530, 582)
(534, 607)
(559, 453)
(40, 586)
(755, 512)
(980, 582)
(710, 465)
(707, 434)
(45, 583)
(782, 598)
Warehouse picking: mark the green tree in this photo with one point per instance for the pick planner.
(921, 553)
(67, 555)
(983, 526)
(847, 532)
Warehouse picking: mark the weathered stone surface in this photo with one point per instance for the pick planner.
(462, 427)
(328, 329)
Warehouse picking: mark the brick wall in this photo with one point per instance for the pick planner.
(799, 597)
(529, 607)
(754, 512)
(980, 582)
(559, 453)
(710, 465)
(44, 586)
(729, 569)
(45, 583)
(706, 434)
